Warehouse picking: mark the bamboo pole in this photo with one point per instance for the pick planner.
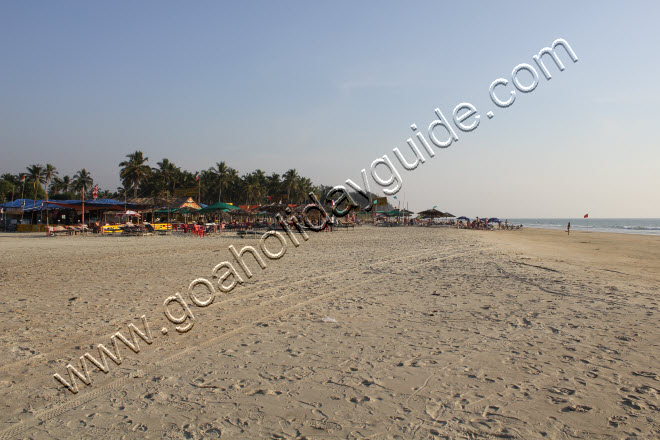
(22, 202)
(83, 210)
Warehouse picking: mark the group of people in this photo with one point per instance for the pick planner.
(474, 224)
(484, 225)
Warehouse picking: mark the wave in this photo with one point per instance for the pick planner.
(541, 225)
(636, 228)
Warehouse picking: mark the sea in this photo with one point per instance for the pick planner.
(643, 226)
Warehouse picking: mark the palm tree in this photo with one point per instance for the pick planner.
(253, 189)
(49, 172)
(291, 183)
(221, 172)
(120, 193)
(82, 181)
(35, 173)
(233, 180)
(61, 185)
(14, 181)
(8, 177)
(168, 172)
(273, 184)
(305, 186)
(134, 170)
(66, 184)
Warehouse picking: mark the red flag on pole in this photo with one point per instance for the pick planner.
(22, 177)
(586, 215)
(197, 177)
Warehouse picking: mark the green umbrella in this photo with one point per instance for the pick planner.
(165, 210)
(219, 206)
(187, 211)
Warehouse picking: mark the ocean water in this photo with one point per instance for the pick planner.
(644, 226)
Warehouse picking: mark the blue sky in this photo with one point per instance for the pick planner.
(328, 87)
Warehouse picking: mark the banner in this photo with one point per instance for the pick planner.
(380, 201)
(183, 192)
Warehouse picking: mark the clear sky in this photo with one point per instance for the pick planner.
(327, 87)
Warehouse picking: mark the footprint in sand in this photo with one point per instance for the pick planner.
(615, 421)
(648, 374)
(576, 408)
(630, 402)
(563, 391)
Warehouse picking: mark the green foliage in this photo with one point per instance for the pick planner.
(5, 191)
(218, 183)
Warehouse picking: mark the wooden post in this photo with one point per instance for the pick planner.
(22, 201)
(83, 210)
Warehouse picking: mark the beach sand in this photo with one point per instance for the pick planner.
(439, 333)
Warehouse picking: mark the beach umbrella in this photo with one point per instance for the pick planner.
(273, 208)
(188, 210)
(494, 220)
(463, 218)
(431, 213)
(128, 214)
(219, 206)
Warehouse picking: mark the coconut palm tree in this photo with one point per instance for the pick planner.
(233, 180)
(82, 181)
(12, 180)
(273, 184)
(8, 177)
(304, 187)
(49, 172)
(61, 185)
(134, 170)
(168, 172)
(221, 172)
(291, 183)
(35, 174)
(253, 189)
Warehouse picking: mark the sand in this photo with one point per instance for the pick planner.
(439, 333)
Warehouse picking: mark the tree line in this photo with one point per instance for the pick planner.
(219, 183)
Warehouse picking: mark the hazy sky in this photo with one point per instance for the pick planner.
(328, 87)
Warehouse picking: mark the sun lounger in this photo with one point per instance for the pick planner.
(343, 224)
(74, 229)
(249, 233)
(59, 230)
(135, 231)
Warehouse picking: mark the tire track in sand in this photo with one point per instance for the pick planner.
(44, 415)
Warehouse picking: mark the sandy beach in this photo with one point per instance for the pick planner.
(439, 333)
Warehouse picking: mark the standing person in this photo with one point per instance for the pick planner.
(568, 228)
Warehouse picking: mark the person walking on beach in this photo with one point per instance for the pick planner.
(568, 228)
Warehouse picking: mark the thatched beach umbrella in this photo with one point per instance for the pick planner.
(273, 208)
(433, 213)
